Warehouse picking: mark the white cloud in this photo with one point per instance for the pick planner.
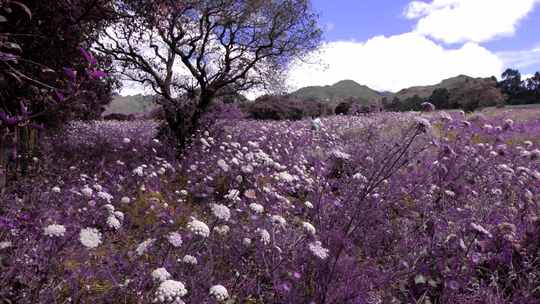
(527, 76)
(521, 59)
(458, 21)
(393, 63)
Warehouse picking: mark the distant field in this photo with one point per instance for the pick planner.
(522, 112)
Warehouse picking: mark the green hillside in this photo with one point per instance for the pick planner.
(340, 90)
(131, 104)
(451, 84)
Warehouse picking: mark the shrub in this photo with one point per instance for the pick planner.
(285, 108)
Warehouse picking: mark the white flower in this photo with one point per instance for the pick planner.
(119, 215)
(219, 292)
(161, 274)
(175, 239)
(109, 207)
(250, 193)
(257, 208)
(264, 236)
(222, 229)
(126, 140)
(449, 193)
(360, 177)
(143, 247)
(113, 222)
(105, 196)
(138, 171)
(125, 200)
(54, 230)
(223, 165)
(233, 195)
(169, 291)
(247, 169)
(87, 191)
(56, 189)
(317, 250)
(422, 123)
(222, 212)
(198, 227)
(340, 155)
(90, 237)
(480, 229)
(189, 259)
(5, 244)
(246, 241)
(309, 228)
(308, 205)
(278, 220)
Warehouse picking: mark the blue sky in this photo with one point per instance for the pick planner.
(389, 45)
(393, 44)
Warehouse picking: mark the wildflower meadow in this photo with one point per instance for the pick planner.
(381, 208)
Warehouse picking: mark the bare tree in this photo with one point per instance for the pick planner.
(207, 47)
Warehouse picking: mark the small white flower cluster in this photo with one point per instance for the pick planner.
(189, 259)
(264, 236)
(278, 220)
(223, 165)
(219, 292)
(233, 195)
(161, 274)
(360, 177)
(114, 218)
(222, 229)
(316, 124)
(170, 291)
(175, 239)
(309, 228)
(257, 208)
(480, 229)
(139, 171)
(54, 230)
(5, 244)
(143, 247)
(105, 196)
(318, 250)
(340, 155)
(222, 212)
(90, 237)
(87, 191)
(198, 227)
(422, 124)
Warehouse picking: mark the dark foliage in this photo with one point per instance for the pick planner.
(119, 117)
(285, 108)
(519, 91)
(43, 38)
(342, 108)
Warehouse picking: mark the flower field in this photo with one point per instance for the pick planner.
(382, 208)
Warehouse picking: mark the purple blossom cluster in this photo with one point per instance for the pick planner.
(380, 208)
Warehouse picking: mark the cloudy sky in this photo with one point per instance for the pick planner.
(393, 44)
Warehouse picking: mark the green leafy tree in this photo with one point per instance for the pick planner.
(440, 98)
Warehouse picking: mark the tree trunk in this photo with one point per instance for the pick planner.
(184, 121)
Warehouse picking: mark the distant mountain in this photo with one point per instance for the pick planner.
(131, 104)
(340, 90)
(451, 84)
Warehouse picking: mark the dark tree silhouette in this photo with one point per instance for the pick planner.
(201, 47)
